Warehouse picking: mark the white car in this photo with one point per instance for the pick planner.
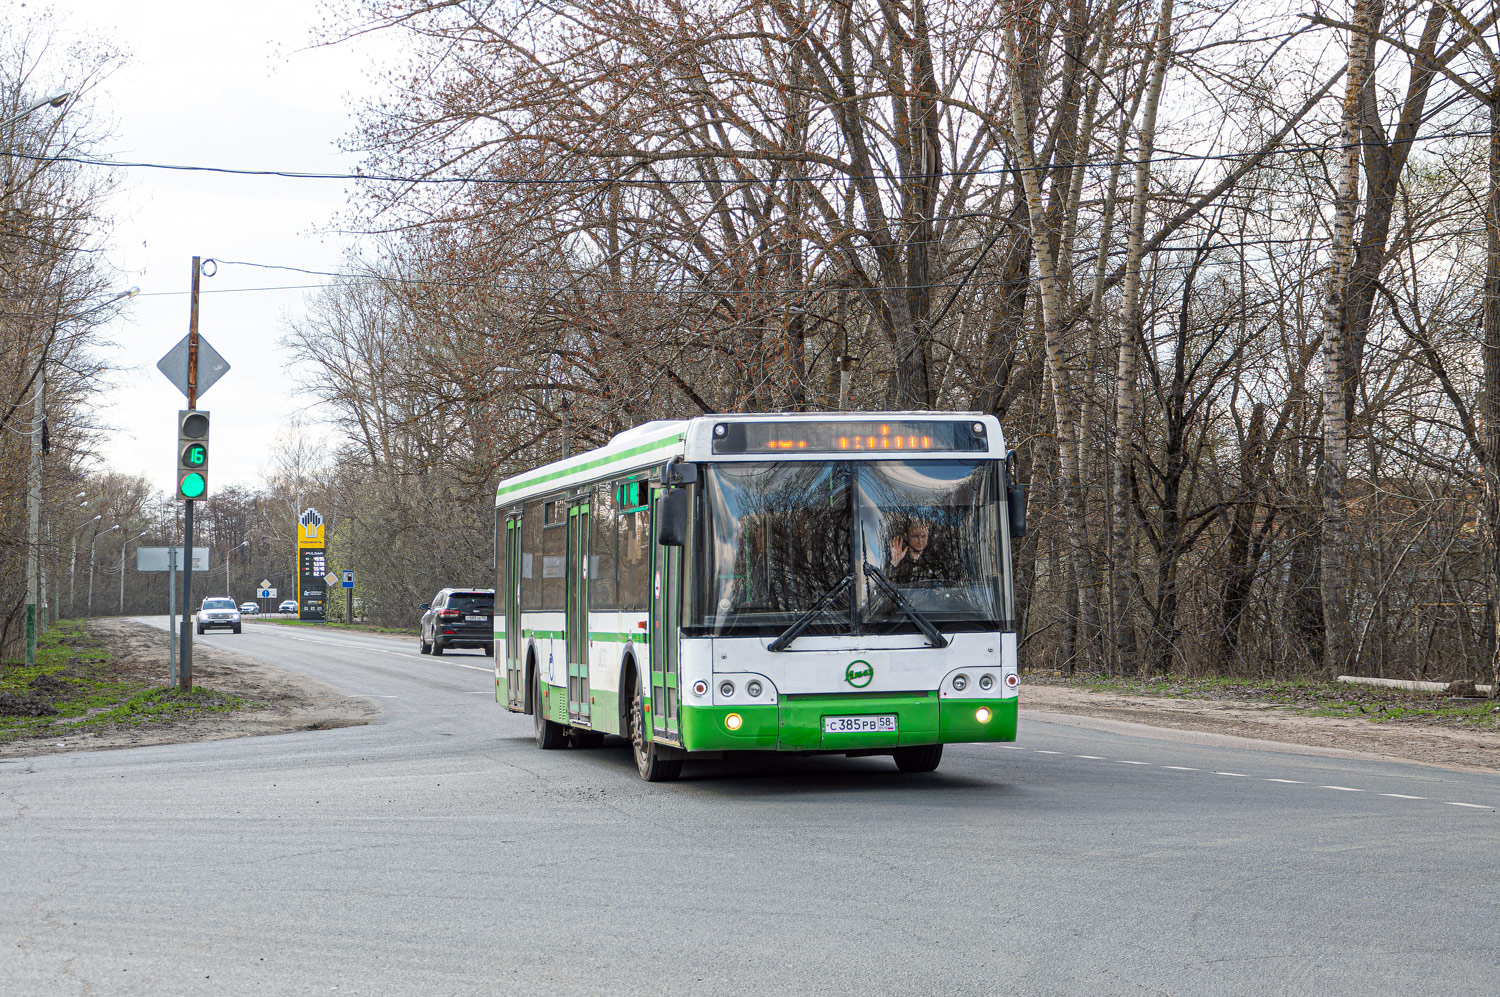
(217, 611)
(287, 606)
(249, 609)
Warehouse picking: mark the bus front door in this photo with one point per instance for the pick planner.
(666, 607)
(515, 674)
(576, 623)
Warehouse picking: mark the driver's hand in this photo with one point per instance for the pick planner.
(898, 549)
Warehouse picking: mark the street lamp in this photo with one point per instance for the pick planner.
(73, 567)
(122, 567)
(226, 566)
(56, 98)
(92, 547)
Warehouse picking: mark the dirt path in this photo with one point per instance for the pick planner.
(1256, 722)
(283, 701)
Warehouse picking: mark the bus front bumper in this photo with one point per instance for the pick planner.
(796, 723)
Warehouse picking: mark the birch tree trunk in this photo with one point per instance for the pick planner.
(1491, 416)
(1066, 409)
(1334, 471)
(1126, 373)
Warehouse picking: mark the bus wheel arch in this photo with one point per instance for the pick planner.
(627, 686)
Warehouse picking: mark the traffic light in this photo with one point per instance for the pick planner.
(192, 454)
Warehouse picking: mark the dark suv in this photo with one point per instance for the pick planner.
(459, 618)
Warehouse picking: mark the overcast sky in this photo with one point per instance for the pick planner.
(231, 85)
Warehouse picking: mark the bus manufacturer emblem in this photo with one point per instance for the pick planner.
(859, 674)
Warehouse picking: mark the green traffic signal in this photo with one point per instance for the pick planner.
(192, 485)
(192, 454)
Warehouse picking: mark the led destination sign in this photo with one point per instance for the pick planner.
(848, 437)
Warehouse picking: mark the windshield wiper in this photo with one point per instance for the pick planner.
(804, 621)
(922, 622)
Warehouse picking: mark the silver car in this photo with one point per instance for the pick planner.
(217, 611)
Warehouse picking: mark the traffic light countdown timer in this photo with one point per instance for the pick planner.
(192, 454)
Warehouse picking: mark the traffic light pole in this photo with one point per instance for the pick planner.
(185, 656)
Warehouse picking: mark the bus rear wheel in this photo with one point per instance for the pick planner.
(548, 734)
(923, 758)
(648, 760)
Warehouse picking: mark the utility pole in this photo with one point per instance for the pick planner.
(185, 655)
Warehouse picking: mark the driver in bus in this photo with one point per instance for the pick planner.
(911, 559)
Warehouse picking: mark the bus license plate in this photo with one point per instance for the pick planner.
(882, 723)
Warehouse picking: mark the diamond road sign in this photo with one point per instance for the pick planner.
(211, 366)
(331, 578)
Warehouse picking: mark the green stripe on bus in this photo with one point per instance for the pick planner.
(589, 465)
(638, 637)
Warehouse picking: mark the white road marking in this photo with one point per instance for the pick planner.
(1180, 768)
(1471, 806)
(1124, 762)
(1289, 782)
(1092, 758)
(477, 668)
(1403, 796)
(1237, 775)
(1343, 789)
(1040, 751)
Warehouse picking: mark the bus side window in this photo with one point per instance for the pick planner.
(603, 519)
(634, 562)
(554, 554)
(531, 557)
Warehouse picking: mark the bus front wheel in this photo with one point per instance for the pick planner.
(923, 758)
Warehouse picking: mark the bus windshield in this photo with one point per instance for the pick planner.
(778, 538)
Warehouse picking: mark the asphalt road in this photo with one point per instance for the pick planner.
(437, 851)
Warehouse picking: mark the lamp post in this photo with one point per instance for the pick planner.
(72, 570)
(226, 566)
(122, 567)
(93, 546)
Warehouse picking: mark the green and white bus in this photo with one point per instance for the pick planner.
(835, 583)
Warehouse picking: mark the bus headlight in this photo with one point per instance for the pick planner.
(753, 688)
(726, 689)
(700, 688)
(733, 721)
(983, 714)
(960, 683)
(986, 682)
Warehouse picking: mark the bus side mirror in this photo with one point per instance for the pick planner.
(1015, 506)
(1015, 499)
(672, 518)
(679, 472)
(423, 607)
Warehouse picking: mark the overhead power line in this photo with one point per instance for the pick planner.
(628, 176)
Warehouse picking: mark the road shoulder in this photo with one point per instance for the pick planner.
(1256, 725)
(280, 701)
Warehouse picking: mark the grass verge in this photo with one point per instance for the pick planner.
(74, 687)
(1305, 697)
